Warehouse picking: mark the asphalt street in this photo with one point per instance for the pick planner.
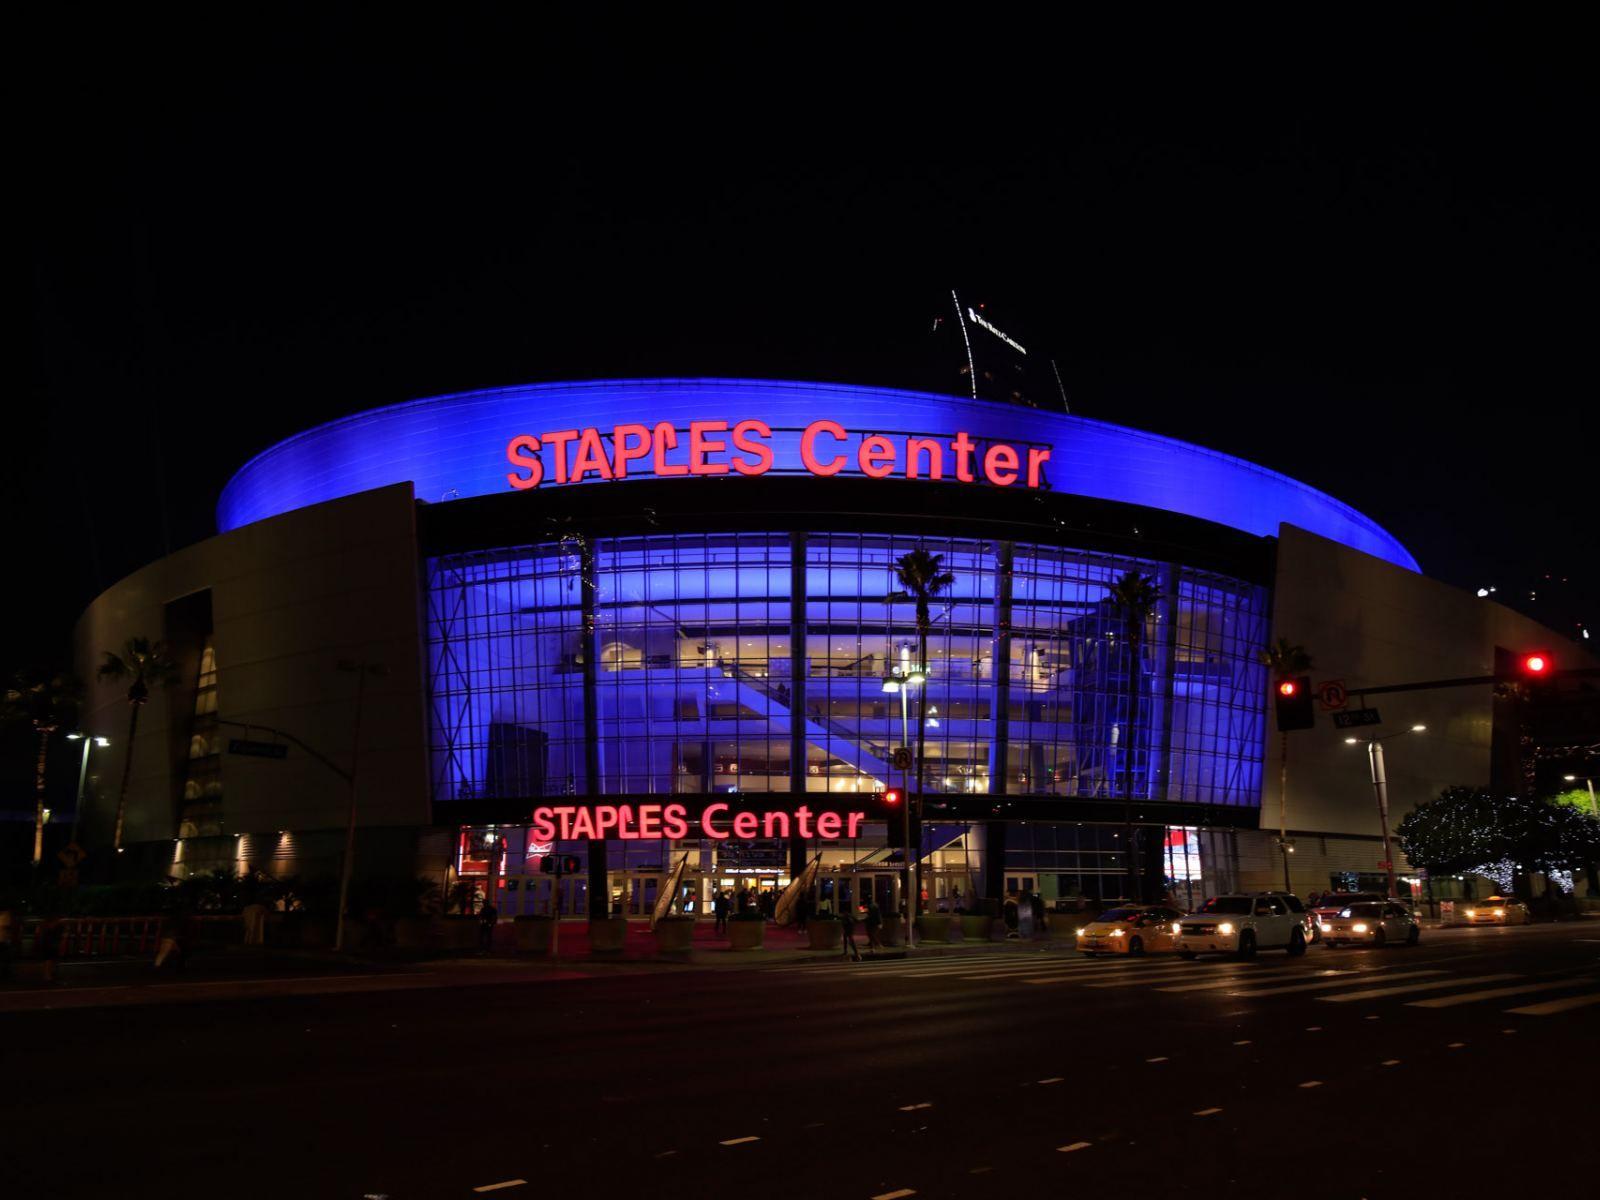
(1458, 1067)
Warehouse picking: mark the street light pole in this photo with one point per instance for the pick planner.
(83, 775)
(361, 670)
(1380, 784)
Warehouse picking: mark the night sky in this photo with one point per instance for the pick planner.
(1365, 258)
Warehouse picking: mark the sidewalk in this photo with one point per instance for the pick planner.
(252, 973)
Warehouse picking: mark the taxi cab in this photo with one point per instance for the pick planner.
(1131, 929)
(1496, 910)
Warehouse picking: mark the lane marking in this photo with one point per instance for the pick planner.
(1455, 1045)
(505, 1183)
(1550, 1007)
(1492, 994)
(666, 1154)
(1391, 1062)
(914, 1107)
(1206, 1112)
(1242, 1042)
(1236, 980)
(739, 1141)
(1074, 1146)
(1052, 1079)
(1508, 1031)
(1156, 1060)
(1311, 1083)
(1436, 985)
(1313, 1028)
(899, 1195)
(1326, 983)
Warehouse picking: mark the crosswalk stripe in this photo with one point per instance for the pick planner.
(1495, 993)
(1163, 977)
(1236, 980)
(1436, 985)
(1146, 970)
(1550, 1007)
(1015, 968)
(1326, 983)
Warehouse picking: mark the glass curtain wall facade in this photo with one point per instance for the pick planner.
(717, 656)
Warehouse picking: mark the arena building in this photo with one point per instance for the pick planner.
(659, 625)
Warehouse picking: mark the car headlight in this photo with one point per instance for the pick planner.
(1081, 930)
(1472, 912)
(1359, 927)
(1225, 928)
(1176, 928)
(1116, 933)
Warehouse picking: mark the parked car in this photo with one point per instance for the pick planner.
(1132, 929)
(1333, 903)
(1496, 910)
(1378, 923)
(1243, 923)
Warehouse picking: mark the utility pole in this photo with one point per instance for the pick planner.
(1380, 784)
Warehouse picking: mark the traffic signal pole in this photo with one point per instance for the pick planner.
(1380, 785)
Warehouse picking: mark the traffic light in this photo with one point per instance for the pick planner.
(1291, 696)
(547, 864)
(570, 865)
(891, 797)
(1536, 665)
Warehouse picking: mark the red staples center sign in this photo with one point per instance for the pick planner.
(650, 822)
(746, 448)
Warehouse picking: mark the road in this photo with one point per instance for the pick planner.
(1461, 1067)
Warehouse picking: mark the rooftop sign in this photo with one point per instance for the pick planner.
(748, 448)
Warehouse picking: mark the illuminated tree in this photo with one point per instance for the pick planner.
(144, 664)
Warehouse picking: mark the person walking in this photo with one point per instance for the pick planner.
(719, 906)
(847, 926)
(488, 918)
(874, 923)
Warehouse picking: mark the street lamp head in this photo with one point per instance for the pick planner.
(75, 737)
(1570, 778)
(1352, 741)
(1419, 729)
(891, 686)
(102, 742)
(917, 676)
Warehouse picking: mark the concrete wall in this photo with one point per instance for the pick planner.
(290, 596)
(1368, 622)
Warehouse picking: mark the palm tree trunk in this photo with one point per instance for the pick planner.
(1130, 743)
(127, 773)
(38, 796)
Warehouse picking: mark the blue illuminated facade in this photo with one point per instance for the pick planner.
(452, 447)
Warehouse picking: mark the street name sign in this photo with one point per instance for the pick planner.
(1357, 716)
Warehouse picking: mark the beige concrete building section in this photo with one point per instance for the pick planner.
(290, 597)
(1368, 622)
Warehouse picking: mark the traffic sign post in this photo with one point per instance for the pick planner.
(1333, 694)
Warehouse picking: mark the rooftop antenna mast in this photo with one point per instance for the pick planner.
(972, 370)
(1065, 407)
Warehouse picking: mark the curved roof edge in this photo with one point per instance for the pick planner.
(454, 444)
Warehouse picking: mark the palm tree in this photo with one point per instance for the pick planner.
(45, 702)
(923, 579)
(1286, 660)
(1134, 597)
(144, 664)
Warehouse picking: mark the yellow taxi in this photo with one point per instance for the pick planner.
(1496, 910)
(1132, 929)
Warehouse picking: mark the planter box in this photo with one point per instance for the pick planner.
(454, 933)
(532, 934)
(607, 935)
(978, 928)
(674, 935)
(824, 935)
(935, 927)
(413, 933)
(893, 932)
(746, 935)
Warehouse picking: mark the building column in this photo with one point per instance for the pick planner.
(798, 849)
(588, 586)
(994, 834)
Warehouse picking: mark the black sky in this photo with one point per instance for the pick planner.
(1363, 256)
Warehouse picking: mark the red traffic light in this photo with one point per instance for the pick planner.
(1287, 688)
(891, 797)
(1535, 664)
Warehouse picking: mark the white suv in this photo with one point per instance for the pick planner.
(1241, 924)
